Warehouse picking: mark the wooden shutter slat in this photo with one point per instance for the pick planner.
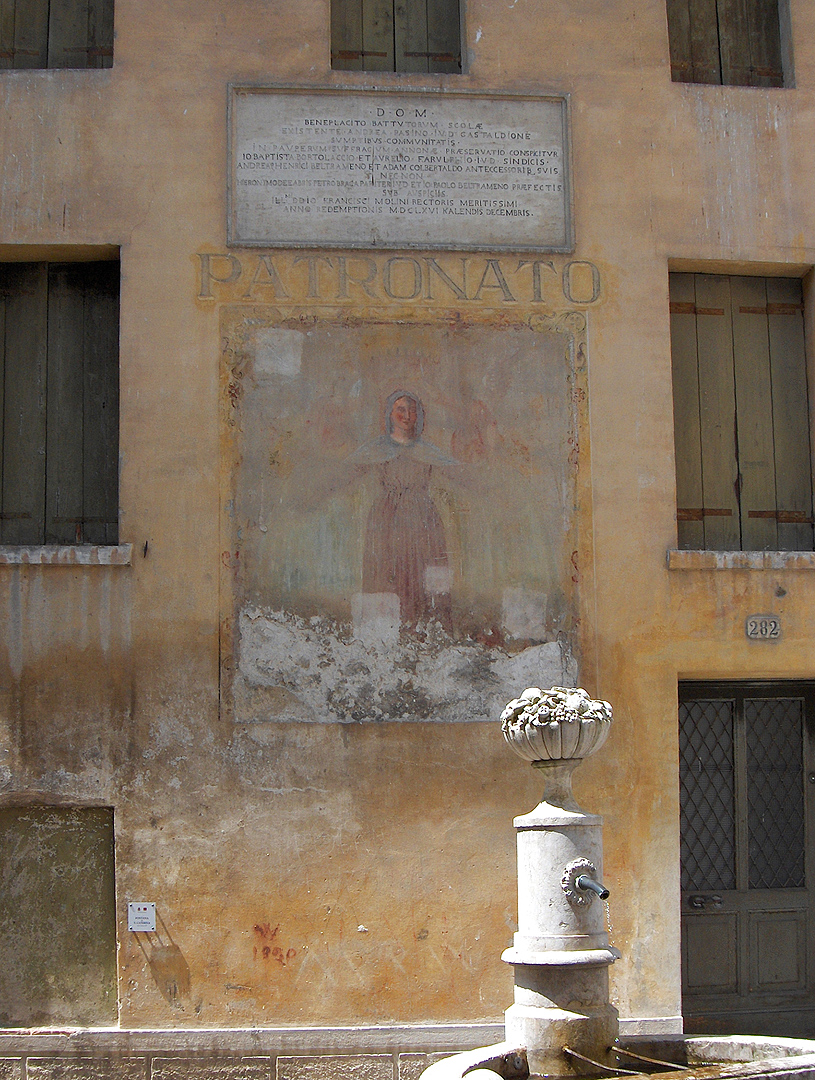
(101, 405)
(754, 421)
(443, 36)
(679, 39)
(793, 461)
(717, 412)
(68, 34)
(66, 332)
(395, 35)
(100, 34)
(7, 8)
(377, 35)
(346, 35)
(23, 488)
(690, 527)
(410, 35)
(765, 43)
(734, 42)
(31, 34)
(704, 41)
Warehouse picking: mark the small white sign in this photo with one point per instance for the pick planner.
(763, 627)
(141, 915)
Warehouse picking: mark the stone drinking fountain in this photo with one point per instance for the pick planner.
(560, 953)
(561, 1023)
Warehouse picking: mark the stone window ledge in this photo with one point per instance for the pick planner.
(67, 555)
(740, 560)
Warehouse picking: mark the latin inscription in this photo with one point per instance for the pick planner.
(364, 169)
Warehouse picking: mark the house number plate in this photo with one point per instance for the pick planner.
(763, 627)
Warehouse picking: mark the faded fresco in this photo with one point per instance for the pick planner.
(401, 513)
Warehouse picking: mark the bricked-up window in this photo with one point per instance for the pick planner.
(726, 42)
(741, 413)
(395, 35)
(59, 403)
(57, 917)
(56, 33)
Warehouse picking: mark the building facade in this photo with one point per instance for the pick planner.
(302, 482)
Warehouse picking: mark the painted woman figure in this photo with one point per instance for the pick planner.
(405, 548)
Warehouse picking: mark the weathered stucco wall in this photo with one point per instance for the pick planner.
(325, 873)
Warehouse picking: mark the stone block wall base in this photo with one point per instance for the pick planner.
(398, 1052)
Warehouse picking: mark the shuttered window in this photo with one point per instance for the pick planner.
(727, 42)
(741, 414)
(56, 33)
(59, 402)
(395, 35)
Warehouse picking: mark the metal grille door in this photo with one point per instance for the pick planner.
(747, 923)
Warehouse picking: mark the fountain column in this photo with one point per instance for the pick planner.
(560, 953)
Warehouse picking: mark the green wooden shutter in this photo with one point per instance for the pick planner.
(56, 33)
(377, 36)
(60, 409)
(410, 35)
(63, 491)
(717, 413)
(443, 36)
(396, 35)
(346, 35)
(25, 300)
(30, 45)
(728, 42)
(690, 520)
(765, 44)
(791, 424)
(100, 444)
(741, 416)
(754, 417)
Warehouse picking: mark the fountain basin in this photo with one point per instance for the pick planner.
(701, 1057)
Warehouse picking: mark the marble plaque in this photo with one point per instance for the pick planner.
(426, 169)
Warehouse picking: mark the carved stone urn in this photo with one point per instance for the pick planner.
(563, 723)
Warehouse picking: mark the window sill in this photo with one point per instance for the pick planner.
(67, 555)
(740, 560)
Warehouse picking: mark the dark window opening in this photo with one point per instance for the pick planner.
(59, 403)
(396, 35)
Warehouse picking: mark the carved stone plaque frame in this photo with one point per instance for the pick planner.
(430, 169)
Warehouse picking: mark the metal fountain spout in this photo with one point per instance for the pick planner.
(590, 885)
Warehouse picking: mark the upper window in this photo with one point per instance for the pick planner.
(728, 42)
(56, 34)
(741, 414)
(395, 35)
(59, 403)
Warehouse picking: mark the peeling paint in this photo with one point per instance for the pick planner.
(296, 669)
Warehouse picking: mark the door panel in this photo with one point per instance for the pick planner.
(709, 952)
(778, 949)
(746, 807)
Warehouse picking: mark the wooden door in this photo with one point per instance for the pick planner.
(746, 794)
